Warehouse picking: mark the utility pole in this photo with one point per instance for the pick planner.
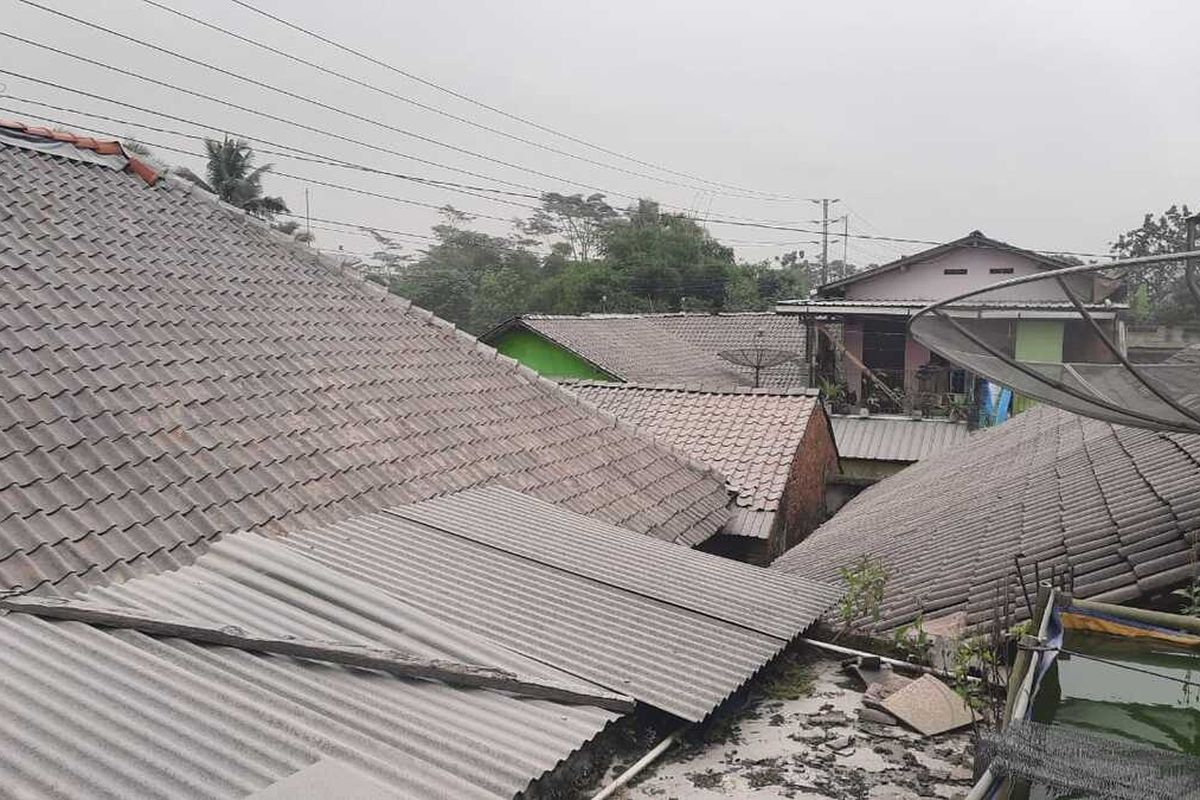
(845, 245)
(825, 203)
(307, 217)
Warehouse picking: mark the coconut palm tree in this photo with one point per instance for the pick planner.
(233, 177)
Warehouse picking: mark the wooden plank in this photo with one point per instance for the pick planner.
(858, 363)
(395, 662)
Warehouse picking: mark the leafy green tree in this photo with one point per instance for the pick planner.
(1169, 299)
(665, 257)
(580, 221)
(233, 177)
(1139, 304)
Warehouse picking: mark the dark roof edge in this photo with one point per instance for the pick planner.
(972, 239)
(601, 315)
(698, 388)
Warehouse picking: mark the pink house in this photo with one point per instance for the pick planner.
(857, 336)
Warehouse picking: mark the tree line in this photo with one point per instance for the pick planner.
(577, 254)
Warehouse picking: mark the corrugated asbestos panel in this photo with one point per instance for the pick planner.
(743, 594)
(663, 653)
(94, 713)
(894, 438)
(750, 523)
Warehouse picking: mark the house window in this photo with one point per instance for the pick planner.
(954, 271)
(1001, 270)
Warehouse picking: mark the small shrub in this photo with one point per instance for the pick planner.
(863, 599)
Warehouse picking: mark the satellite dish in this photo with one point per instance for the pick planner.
(758, 357)
(1093, 376)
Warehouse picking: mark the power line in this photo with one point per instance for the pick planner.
(298, 154)
(501, 112)
(305, 179)
(256, 112)
(228, 104)
(317, 103)
(426, 107)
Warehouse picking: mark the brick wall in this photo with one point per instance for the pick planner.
(802, 507)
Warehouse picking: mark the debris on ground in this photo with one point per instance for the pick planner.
(929, 706)
(820, 742)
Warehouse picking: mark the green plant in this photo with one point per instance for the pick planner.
(863, 599)
(977, 675)
(791, 678)
(833, 392)
(912, 642)
(1190, 595)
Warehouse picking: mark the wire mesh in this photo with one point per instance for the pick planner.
(1048, 337)
(1080, 764)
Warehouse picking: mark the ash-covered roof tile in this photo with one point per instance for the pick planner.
(193, 373)
(680, 348)
(749, 436)
(1113, 509)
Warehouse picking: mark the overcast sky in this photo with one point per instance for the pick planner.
(1049, 125)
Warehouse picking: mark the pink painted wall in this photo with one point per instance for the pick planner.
(927, 281)
(916, 355)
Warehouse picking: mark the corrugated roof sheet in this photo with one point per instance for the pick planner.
(171, 370)
(881, 438)
(1117, 508)
(678, 348)
(675, 628)
(750, 436)
(97, 713)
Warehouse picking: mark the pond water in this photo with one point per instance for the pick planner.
(1114, 699)
(1120, 698)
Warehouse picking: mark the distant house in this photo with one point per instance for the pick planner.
(332, 541)
(774, 448)
(730, 349)
(855, 328)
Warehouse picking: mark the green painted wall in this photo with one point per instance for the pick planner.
(545, 356)
(1037, 340)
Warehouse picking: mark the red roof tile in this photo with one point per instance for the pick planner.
(101, 146)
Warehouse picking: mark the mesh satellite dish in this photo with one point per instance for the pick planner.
(757, 357)
(981, 331)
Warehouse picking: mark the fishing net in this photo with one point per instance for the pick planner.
(1070, 762)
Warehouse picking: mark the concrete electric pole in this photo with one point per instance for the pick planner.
(825, 203)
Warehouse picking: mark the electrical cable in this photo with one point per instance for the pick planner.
(235, 106)
(305, 179)
(296, 96)
(472, 191)
(737, 222)
(1118, 664)
(501, 112)
(434, 109)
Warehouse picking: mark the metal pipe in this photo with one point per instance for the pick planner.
(643, 762)
(895, 662)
